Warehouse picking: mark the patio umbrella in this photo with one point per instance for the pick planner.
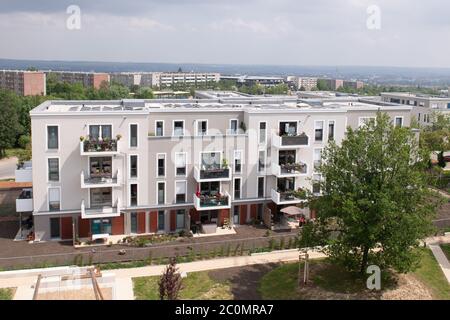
(292, 211)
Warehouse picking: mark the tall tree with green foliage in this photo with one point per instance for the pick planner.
(10, 126)
(436, 137)
(375, 203)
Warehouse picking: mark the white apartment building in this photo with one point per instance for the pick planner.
(159, 166)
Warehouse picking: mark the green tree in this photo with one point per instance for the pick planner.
(10, 126)
(144, 93)
(436, 137)
(375, 204)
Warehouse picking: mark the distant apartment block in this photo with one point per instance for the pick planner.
(164, 79)
(333, 84)
(306, 84)
(129, 79)
(252, 80)
(25, 83)
(87, 79)
(354, 84)
(133, 167)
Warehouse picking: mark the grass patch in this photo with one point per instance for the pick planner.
(196, 286)
(432, 276)
(6, 293)
(280, 283)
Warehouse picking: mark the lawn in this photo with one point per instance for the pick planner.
(432, 276)
(196, 286)
(6, 293)
(446, 248)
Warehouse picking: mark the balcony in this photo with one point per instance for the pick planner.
(205, 202)
(290, 141)
(107, 147)
(222, 173)
(24, 173)
(101, 181)
(289, 170)
(103, 212)
(286, 197)
(24, 203)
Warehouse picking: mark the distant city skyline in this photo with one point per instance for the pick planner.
(412, 33)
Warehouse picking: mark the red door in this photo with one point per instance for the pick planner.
(66, 228)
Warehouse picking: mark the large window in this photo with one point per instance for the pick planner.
(233, 126)
(178, 128)
(161, 220)
(161, 192)
(181, 215)
(100, 167)
(133, 194)
(317, 158)
(399, 122)
(133, 135)
(261, 187)
(318, 131)
(261, 160)
(161, 158)
(237, 161)
(102, 132)
(53, 169)
(101, 197)
(237, 188)
(331, 130)
(52, 137)
(180, 191)
(180, 164)
(54, 199)
(210, 160)
(262, 132)
(55, 228)
(202, 127)
(159, 128)
(288, 128)
(133, 166)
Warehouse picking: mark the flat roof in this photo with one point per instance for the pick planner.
(415, 95)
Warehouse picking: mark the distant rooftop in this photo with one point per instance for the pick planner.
(415, 95)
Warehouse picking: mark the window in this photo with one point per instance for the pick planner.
(133, 194)
(101, 197)
(331, 130)
(288, 128)
(418, 117)
(261, 187)
(318, 131)
(237, 161)
(178, 128)
(100, 132)
(52, 137)
(237, 188)
(134, 222)
(133, 135)
(161, 192)
(55, 228)
(133, 166)
(202, 127)
(316, 183)
(364, 121)
(54, 199)
(100, 167)
(233, 126)
(317, 158)
(210, 160)
(161, 159)
(399, 122)
(259, 212)
(181, 215)
(53, 169)
(236, 213)
(159, 128)
(180, 191)
(262, 133)
(261, 160)
(180, 164)
(161, 222)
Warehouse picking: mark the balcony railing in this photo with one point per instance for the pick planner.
(289, 169)
(290, 141)
(101, 181)
(219, 173)
(24, 203)
(285, 197)
(205, 202)
(24, 173)
(101, 147)
(103, 212)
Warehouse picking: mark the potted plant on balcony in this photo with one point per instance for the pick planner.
(224, 163)
(118, 137)
(81, 138)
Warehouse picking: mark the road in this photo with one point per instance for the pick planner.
(7, 168)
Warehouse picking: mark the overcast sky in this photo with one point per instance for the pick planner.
(289, 32)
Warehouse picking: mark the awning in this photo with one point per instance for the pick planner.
(292, 211)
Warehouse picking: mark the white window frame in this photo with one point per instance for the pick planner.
(361, 123)
(185, 164)
(197, 122)
(237, 127)
(240, 188)
(157, 221)
(165, 192)
(314, 156)
(263, 172)
(399, 117)
(328, 129)
(257, 186)
(173, 128)
(316, 127)
(297, 127)
(165, 165)
(129, 135)
(234, 161)
(129, 166)
(156, 128)
(175, 189)
(48, 171)
(101, 131)
(48, 197)
(46, 137)
(129, 193)
(259, 134)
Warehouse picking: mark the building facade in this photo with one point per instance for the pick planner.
(88, 79)
(25, 83)
(160, 166)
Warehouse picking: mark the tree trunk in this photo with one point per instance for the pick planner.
(364, 259)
